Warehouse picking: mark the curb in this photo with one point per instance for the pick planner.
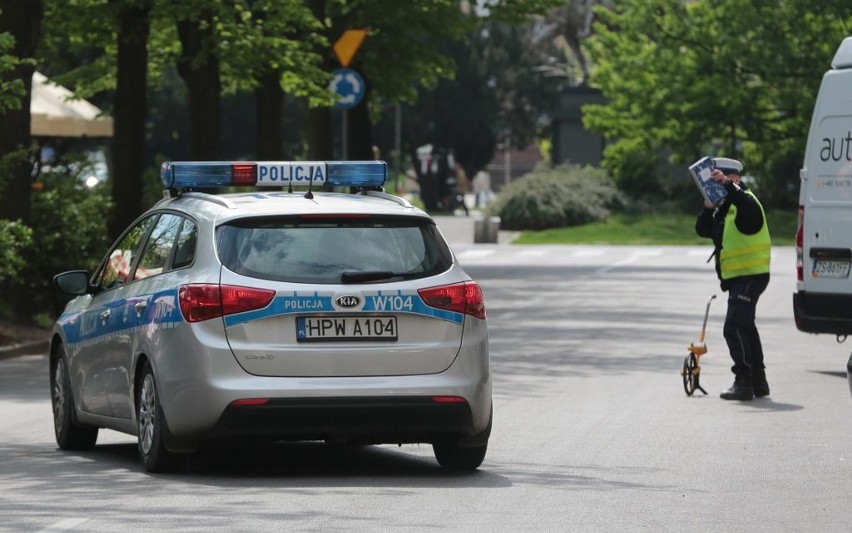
(24, 348)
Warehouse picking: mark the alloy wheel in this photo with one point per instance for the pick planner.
(147, 413)
(59, 393)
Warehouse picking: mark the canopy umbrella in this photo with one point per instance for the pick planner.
(55, 112)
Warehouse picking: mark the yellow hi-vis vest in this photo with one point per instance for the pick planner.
(744, 255)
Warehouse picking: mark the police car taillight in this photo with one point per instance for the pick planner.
(215, 174)
(465, 297)
(800, 241)
(203, 301)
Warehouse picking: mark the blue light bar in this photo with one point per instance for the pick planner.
(357, 174)
(196, 175)
(201, 174)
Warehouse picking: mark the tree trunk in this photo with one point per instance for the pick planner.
(23, 21)
(129, 115)
(319, 134)
(199, 68)
(269, 99)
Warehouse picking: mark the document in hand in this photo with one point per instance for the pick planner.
(713, 191)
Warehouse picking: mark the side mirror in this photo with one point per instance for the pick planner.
(74, 282)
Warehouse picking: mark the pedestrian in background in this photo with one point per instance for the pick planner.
(482, 188)
(742, 252)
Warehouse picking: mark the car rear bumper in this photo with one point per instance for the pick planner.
(823, 313)
(363, 420)
(198, 390)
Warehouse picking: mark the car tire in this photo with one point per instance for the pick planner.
(70, 434)
(153, 454)
(454, 457)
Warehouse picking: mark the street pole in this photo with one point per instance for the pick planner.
(397, 147)
(345, 136)
(507, 160)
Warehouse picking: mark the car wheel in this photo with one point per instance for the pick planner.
(70, 434)
(450, 455)
(149, 415)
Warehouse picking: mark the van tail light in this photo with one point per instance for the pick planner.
(465, 297)
(800, 251)
(203, 301)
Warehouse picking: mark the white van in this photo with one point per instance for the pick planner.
(823, 299)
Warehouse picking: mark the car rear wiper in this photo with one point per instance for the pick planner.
(370, 275)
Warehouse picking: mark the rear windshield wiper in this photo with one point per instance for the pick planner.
(371, 275)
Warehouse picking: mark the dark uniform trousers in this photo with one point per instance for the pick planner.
(740, 331)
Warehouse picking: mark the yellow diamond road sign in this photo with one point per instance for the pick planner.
(348, 44)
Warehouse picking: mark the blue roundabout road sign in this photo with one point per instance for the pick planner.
(349, 87)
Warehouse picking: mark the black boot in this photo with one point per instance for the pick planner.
(740, 390)
(760, 386)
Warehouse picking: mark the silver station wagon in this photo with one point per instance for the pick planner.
(274, 314)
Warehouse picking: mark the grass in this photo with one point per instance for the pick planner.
(658, 228)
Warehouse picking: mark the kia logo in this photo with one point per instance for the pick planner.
(348, 301)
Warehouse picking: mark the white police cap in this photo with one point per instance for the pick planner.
(728, 165)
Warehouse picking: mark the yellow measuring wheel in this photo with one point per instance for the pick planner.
(691, 370)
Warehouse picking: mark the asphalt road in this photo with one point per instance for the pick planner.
(592, 430)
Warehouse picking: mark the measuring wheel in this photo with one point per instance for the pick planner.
(691, 372)
(691, 369)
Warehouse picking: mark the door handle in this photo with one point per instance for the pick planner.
(104, 315)
(140, 307)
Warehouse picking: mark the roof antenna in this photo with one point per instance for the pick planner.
(309, 195)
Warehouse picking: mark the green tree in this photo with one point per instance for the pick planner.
(108, 53)
(20, 30)
(729, 77)
(401, 53)
(123, 47)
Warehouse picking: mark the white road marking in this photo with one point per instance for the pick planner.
(532, 253)
(64, 525)
(624, 262)
(589, 252)
(476, 254)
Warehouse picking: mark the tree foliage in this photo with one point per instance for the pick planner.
(727, 77)
(15, 238)
(507, 95)
(11, 90)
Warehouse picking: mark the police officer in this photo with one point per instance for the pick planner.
(740, 235)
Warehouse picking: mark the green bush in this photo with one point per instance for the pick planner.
(567, 195)
(14, 239)
(69, 231)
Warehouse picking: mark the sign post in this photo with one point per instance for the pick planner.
(346, 83)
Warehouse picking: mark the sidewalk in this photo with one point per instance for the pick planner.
(32, 347)
(19, 339)
(459, 230)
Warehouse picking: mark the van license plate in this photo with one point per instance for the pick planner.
(831, 269)
(346, 328)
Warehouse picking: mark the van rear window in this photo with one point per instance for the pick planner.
(322, 250)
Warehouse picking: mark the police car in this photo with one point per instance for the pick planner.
(274, 314)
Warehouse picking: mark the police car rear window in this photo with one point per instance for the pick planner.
(333, 250)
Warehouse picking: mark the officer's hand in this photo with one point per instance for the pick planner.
(718, 175)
